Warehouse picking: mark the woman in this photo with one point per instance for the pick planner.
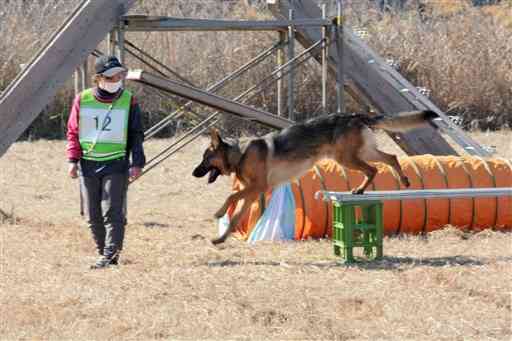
(104, 129)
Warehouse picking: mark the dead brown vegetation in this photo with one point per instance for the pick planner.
(173, 284)
(461, 53)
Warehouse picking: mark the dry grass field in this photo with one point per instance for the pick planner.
(173, 284)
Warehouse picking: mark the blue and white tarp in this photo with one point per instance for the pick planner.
(278, 220)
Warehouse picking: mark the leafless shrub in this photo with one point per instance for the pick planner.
(462, 56)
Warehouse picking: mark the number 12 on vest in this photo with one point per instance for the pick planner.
(113, 126)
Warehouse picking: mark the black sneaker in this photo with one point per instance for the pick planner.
(115, 260)
(102, 262)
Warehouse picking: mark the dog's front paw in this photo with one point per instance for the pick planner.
(358, 190)
(218, 240)
(219, 214)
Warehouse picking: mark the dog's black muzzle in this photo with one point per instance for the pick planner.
(202, 170)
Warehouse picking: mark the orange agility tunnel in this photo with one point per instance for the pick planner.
(313, 218)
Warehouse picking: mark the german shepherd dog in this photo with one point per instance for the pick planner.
(276, 158)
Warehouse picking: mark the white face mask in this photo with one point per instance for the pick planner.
(110, 87)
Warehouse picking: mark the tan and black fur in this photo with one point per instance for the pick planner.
(261, 163)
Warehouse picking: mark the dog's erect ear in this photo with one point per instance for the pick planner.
(215, 137)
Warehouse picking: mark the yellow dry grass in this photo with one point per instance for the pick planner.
(500, 11)
(173, 284)
(448, 7)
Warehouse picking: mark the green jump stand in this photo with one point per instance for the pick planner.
(352, 230)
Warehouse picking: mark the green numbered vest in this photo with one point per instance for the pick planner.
(103, 129)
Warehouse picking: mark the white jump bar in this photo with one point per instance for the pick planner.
(414, 194)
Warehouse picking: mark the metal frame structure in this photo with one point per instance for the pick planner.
(330, 32)
(160, 82)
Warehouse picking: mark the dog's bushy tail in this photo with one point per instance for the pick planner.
(403, 121)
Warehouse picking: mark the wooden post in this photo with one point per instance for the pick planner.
(120, 44)
(340, 82)
(117, 45)
(280, 62)
(120, 53)
(84, 70)
(291, 54)
(111, 48)
(77, 82)
(324, 61)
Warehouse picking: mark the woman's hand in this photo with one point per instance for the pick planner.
(135, 172)
(73, 170)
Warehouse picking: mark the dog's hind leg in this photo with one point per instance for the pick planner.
(391, 160)
(370, 153)
(356, 163)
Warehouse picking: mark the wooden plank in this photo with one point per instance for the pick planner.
(142, 23)
(280, 62)
(52, 66)
(209, 99)
(414, 194)
(381, 86)
(340, 73)
(291, 73)
(323, 62)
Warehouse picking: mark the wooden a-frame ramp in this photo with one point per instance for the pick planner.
(53, 65)
(368, 75)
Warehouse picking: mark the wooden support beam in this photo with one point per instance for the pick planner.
(291, 73)
(111, 47)
(148, 23)
(120, 47)
(323, 62)
(77, 79)
(209, 99)
(340, 76)
(280, 62)
(84, 70)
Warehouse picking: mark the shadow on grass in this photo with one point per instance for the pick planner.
(154, 225)
(386, 263)
(404, 263)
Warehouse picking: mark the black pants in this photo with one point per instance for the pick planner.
(104, 200)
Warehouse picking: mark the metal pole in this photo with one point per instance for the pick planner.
(280, 62)
(291, 74)
(152, 59)
(324, 61)
(339, 48)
